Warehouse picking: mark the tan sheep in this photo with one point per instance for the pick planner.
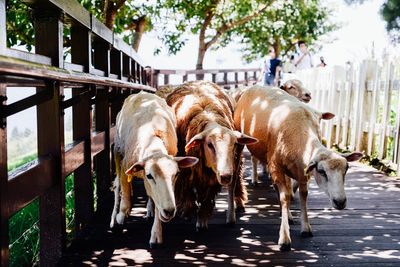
(146, 143)
(290, 144)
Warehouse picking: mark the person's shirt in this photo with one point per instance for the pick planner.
(305, 62)
(271, 65)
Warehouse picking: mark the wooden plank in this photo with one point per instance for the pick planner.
(102, 160)
(374, 107)
(74, 10)
(19, 67)
(4, 214)
(50, 132)
(101, 30)
(74, 157)
(13, 81)
(81, 48)
(83, 184)
(30, 181)
(98, 141)
(116, 63)
(22, 55)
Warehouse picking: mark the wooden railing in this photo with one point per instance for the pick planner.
(103, 70)
(365, 99)
(226, 78)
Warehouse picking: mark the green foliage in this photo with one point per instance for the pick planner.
(190, 17)
(20, 31)
(390, 12)
(19, 25)
(282, 25)
(24, 236)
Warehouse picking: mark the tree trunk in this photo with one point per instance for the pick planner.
(109, 18)
(200, 58)
(139, 30)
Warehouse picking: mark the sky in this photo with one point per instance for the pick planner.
(362, 27)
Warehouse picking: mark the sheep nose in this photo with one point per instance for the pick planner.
(169, 212)
(339, 204)
(308, 95)
(226, 179)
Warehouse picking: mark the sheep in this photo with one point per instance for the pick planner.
(290, 143)
(295, 88)
(205, 130)
(145, 144)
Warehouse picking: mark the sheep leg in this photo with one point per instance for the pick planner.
(156, 231)
(125, 205)
(295, 186)
(230, 214)
(254, 175)
(240, 188)
(117, 199)
(284, 197)
(205, 210)
(305, 225)
(150, 209)
(289, 188)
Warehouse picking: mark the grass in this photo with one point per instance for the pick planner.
(24, 225)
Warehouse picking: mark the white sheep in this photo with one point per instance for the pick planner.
(145, 144)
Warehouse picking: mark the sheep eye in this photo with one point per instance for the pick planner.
(210, 146)
(322, 172)
(149, 176)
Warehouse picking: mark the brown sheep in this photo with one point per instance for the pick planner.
(205, 130)
(290, 143)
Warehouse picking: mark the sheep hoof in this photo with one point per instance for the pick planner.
(285, 247)
(155, 245)
(306, 234)
(201, 229)
(240, 209)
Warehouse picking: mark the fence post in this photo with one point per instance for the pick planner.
(4, 254)
(83, 182)
(386, 110)
(50, 123)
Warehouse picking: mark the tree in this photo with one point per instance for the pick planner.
(390, 12)
(125, 17)
(212, 20)
(282, 25)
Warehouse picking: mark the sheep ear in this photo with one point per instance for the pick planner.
(186, 162)
(195, 141)
(327, 116)
(139, 166)
(245, 139)
(352, 156)
(310, 167)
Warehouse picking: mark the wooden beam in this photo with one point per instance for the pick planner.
(50, 124)
(74, 157)
(4, 214)
(30, 181)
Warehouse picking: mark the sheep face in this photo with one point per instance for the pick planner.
(160, 173)
(219, 149)
(296, 89)
(329, 172)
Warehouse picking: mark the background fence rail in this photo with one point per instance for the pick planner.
(365, 99)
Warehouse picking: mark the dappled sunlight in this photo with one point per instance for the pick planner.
(368, 229)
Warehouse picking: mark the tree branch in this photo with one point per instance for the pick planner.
(233, 24)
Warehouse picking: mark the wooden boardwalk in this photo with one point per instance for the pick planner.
(366, 233)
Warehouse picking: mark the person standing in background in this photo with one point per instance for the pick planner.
(272, 68)
(304, 59)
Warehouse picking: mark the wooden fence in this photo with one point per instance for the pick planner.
(103, 71)
(365, 99)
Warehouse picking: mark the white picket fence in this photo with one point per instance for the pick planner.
(365, 99)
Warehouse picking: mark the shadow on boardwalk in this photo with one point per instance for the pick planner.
(366, 233)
